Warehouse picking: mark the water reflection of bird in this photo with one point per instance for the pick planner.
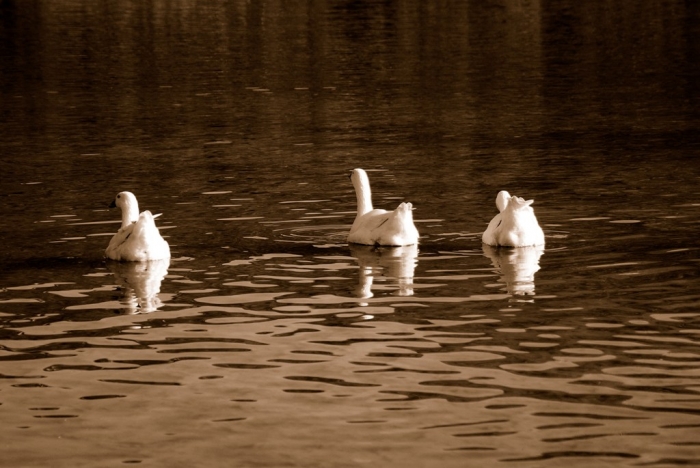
(515, 225)
(138, 239)
(377, 226)
(517, 267)
(141, 283)
(395, 263)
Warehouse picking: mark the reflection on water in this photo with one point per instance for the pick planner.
(264, 345)
(239, 121)
(140, 283)
(396, 264)
(517, 267)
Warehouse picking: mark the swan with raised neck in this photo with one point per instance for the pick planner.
(376, 226)
(138, 239)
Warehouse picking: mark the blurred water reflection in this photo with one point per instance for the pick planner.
(140, 283)
(395, 264)
(517, 267)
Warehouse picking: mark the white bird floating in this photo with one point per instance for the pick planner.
(515, 225)
(376, 226)
(138, 239)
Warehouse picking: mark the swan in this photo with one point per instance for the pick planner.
(138, 239)
(376, 226)
(515, 225)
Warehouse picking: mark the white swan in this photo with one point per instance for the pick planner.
(376, 226)
(138, 239)
(515, 225)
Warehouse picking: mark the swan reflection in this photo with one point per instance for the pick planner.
(517, 267)
(140, 282)
(394, 263)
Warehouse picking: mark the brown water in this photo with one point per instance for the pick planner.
(268, 341)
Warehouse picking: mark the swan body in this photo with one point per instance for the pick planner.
(515, 225)
(138, 239)
(376, 226)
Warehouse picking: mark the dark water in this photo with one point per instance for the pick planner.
(267, 340)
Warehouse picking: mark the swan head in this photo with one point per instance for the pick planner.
(502, 200)
(126, 201)
(359, 178)
(518, 203)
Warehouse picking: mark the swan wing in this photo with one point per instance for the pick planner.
(375, 219)
(399, 228)
(490, 235)
(385, 227)
(362, 229)
(118, 240)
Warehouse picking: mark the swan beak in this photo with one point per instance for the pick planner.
(113, 204)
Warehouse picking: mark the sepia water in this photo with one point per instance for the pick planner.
(267, 341)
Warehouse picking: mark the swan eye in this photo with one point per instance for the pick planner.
(119, 196)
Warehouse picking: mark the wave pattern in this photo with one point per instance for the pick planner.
(265, 344)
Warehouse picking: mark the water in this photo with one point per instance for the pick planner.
(268, 341)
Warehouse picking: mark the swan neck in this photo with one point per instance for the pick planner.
(130, 214)
(364, 200)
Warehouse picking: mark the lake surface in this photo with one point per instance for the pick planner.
(267, 340)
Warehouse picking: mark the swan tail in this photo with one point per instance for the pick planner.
(145, 227)
(148, 239)
(404, 210)
(401, 217)
(400, 227)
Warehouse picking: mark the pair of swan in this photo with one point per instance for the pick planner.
(515, 225)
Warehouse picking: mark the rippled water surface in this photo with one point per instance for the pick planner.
(266, 340)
